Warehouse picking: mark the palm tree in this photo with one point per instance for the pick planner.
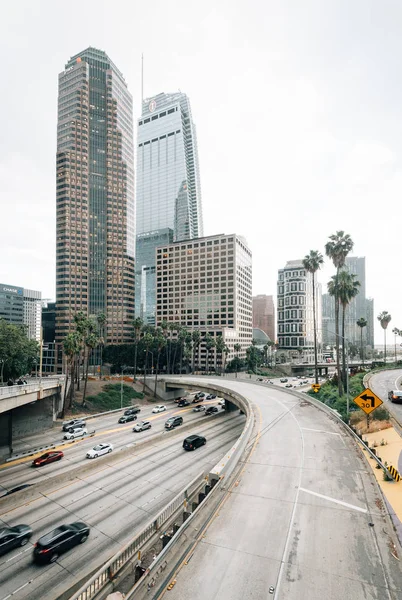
(148, 341)
(165, 333)
(396, 332)
(384, 319)
(312, 262)
(161, 342)
(91, 342)
(237, 348)
(101, 319)
(196, 338)
(226, 352)
(345, 288)
(337, 249)
(181, 340)
(362, 322)
(209, 344)
(138, 324)
(71, 347)
(220, 348)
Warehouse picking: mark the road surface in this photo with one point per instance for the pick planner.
(383, 382)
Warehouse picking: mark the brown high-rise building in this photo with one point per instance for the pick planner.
(95, 197)
(264, 315)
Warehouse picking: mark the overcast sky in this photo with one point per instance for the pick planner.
(298, 109)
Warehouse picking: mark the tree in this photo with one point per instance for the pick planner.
(71, 347)
(196, 339)
(348, 288)
(237, 348)
(101, 319)
(165, 332)
(337, 249)
(138, 324)
(220, 348)
(312, 262)
(161, 342)
(384, 317)
(91, 342)
(148, 341)
(17, 352)
(396, 332)
(226, 352)
(209, 344)
(182, 337)
(362, 322)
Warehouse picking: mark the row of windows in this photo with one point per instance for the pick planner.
(292, 300)
(293, 287)
(158, 116)
(162, 137)
(288, 274)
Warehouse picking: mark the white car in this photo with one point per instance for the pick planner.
(76, 433)
(159, 408)
(221, 401)
(99, 450)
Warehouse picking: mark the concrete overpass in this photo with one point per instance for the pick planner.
(26, 409)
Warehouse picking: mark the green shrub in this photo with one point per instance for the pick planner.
(110, 397)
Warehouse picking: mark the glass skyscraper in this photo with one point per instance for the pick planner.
(168, 187)
(95, 196)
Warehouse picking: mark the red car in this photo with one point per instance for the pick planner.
(47, 458)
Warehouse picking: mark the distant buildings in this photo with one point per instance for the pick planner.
(295, 313)
(21, 306)
(168, 188)
(264, 315)
(95, 235)
(49, 336)
(205, 284)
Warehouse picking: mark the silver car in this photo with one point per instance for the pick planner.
(99, 450)
(76, 433)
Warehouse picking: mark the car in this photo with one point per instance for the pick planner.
(211, 410)
(304, 381)
(288, 385)
(222, 401)
(18, 488)
(13, 537)
(134, 410)
(173, 422)
(211, 397)
(283, 380)
(67, 425)
(47, 458)
(49, 547)
(160, 408)
(200, 395)
(395, 396)
(199, 408)
(99, 450)
(142, 426)
(197, 399)
(271, 382)
(127, 418)
(194, 441)
(80, 432)
(183, 403)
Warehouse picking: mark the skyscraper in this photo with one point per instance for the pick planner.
(264, 315)
(95, 196)
(168, 188)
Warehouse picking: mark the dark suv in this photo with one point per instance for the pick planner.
(173, 422)
(132, 411)
(183, 402)
(211, 410)
(49, 547)
(194, 441)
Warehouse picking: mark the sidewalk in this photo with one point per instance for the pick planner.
(391, 452)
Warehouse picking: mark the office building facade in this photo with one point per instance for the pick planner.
(264, 315)
(95, 196)
(168, 185)
(20, 306)
(205, 284)
(295, 314)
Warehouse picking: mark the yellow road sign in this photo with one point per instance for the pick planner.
(367, 401)
(316, 387)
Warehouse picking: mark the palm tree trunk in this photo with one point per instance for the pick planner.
(338, 362)
(181, 357)
(135, 361)
(361, 345)
(86, 379)
(73, 370)
(315, 335)
(193, 358)
(174, 357)
(145, 370)
(385, 347)
(156, 373)
(344, 374)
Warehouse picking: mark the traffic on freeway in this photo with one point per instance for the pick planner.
(114, 501)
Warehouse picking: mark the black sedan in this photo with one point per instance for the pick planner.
(12, 537)
(23, 486)
(211, 410)
(127, 418)
(132, 411)
(183, 403)
(49, 547)
(211, 397)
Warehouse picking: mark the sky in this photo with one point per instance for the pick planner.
(298, 111)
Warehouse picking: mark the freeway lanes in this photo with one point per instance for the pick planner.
(383, 382)
(115, 501)
(304, 520)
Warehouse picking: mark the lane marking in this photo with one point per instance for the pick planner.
(19, 554)
(341, 502)
(320, 431)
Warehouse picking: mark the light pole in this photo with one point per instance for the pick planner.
(121, 386)
(347, 367)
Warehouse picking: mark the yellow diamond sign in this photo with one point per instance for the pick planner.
(316, 387)
(367, 401)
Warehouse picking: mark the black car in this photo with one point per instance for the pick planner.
(132, 411)
(23, 486)
(183, 403)
(173, 422)
(49, 547)
(74, 423)
(194, 441)
(211, 410)
(283, 380)
(12, 537)
(127, 418)
(211, 397)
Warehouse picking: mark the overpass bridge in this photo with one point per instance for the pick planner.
(29, 408)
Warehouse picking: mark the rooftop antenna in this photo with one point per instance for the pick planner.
(142, 80)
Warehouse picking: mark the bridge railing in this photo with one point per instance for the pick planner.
(18, 390)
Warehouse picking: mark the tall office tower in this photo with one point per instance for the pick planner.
(168, 188)
(95, 196)
(369, 333)
(264, 315)
(295, 313)
(358, 306)
(328, 320)
(33, 313)
(20, 306)
(205, 284)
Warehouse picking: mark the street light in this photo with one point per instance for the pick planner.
(121, 386)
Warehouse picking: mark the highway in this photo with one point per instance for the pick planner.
(116, 501)
(304, 520)
(383, 382)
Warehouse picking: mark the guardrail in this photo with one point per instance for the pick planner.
(18, 390)
(105, 575)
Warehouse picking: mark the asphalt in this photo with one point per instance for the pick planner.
(116, 501)
(306, 519)
(382, 383)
